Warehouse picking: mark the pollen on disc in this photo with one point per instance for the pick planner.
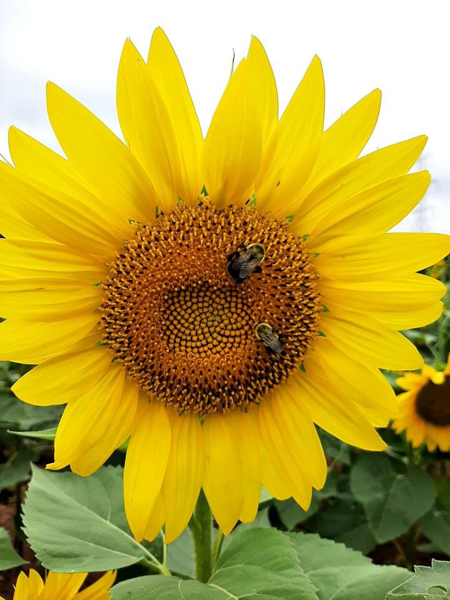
(182, 326)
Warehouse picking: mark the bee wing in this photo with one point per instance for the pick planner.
(238, 261)
(248, 267)
(276, 345)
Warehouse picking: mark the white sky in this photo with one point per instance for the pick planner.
(400, 46)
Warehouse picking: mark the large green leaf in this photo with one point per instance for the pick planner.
(343, 574)
(19, 415)
(334, 448)
(429, 583)
(344, 521)
(166, 588)
(78, 523)
(8, 556)
(393, 497)
(436, 526)
(17, 468)
(259, 564)
(291, 514)
(181, 554)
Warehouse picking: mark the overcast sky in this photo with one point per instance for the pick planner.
(400, 46)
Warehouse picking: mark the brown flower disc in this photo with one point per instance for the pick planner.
(184, 328)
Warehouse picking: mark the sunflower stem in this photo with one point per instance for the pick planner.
(201, 528)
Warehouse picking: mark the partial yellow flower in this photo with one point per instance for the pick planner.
(61, 586)
(212, 299)
(425, 408)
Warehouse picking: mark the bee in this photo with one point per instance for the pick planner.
(245, 261)
(265, 333)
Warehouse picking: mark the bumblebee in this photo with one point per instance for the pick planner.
(245, 261)
(265, 333)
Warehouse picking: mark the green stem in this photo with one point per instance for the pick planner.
(201, 528)
(217, 547)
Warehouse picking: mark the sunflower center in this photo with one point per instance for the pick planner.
(209, 309)
(433, 403)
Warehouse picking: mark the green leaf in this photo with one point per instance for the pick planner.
(8, 556)
(291, 514)
(429, 583)
(344, 521)
(262, 562)
(393, 499)
(16, 414)
(334, 448)
(444, 336)
(78, 523)
(181, 554)
(17, 468)
(265, 498)
(261, 520)
(343, 574)
(159, 587)
(436, 526)
(442, 487)
(259, 564)
(44, 434)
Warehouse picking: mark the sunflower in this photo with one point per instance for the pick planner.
(211, 300)
(425, 408)
(61, 586)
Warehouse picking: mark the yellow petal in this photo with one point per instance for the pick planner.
(89, 419)
(292, 443)
(145, 464)
(233, 146)
(146, 126)
(411, 319)
(62, 586)
(59, 216)
(168, 76)
(263, 86)
(375, 210)
(409, 382)
(344, 141)
(247, 427)
(42, 164)
(184, 473)
(12, 225)
(121, 418)
(412, 292)
(32, 343)
(353, 179)
(155, 520)
(271, 478)
(21, 258)
(223, 470)
(368, 340)
(22, 588)
(101, 158)
(36, 584)
(388, 255)
(361, 385)
(64, 378)
(293, 148)
(47, 299)
(100, 589)
(365, 385)
(333, 411)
